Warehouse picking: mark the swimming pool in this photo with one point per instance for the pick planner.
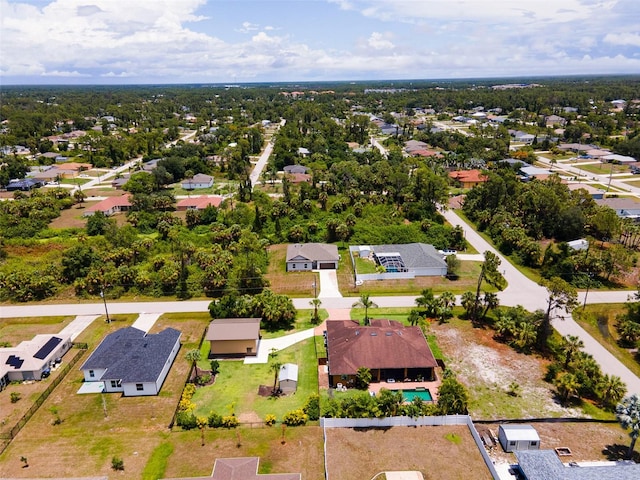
(424, 395)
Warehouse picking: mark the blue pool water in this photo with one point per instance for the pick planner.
(424, 395)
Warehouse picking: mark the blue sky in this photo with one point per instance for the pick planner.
(233, 41)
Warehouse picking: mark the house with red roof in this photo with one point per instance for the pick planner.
(387, 348)
(110, 206)
(199, 203)
(468, 178)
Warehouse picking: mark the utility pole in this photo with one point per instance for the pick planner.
(104, 299)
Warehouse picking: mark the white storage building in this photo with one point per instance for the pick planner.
(518, 437)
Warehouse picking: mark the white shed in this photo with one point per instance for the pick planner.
(580, 244)
(288, 377)
(518, 437)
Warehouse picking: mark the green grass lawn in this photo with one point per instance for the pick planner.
(364, 265)
(236, 386)
(605, 332)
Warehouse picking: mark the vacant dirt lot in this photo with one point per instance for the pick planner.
(489, 368)
(438, 452)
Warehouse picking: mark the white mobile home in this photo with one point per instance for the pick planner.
(518, 437)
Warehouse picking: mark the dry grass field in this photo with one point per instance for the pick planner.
(438, 452)
(301, 451)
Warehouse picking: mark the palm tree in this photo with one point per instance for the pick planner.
(194, 356)
(571, 346)
(527, 335)
(366, 303)
(567, 385)
(468, 301)
(611, 389)
(315, 303)
(628, 414)
(491, 302)
(505, 326)
(275, 367)
(447, 299)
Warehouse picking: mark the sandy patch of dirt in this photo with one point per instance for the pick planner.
(488, 368)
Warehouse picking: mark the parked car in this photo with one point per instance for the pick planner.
(447, 251)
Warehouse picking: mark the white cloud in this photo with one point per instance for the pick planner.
(156, 40)
(248, 27)
(57, 73)
(632, 39)
(380, 41)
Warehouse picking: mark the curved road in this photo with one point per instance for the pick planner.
(522, 291)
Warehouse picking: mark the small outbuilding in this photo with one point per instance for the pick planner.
(518, 437)
(233, 337)
(578, 245)
(288, 377)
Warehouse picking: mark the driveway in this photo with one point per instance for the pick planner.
(329, 284)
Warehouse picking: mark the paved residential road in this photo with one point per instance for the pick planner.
(521, 291)
(525, 292)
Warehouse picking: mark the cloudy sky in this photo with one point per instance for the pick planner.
(233, 41)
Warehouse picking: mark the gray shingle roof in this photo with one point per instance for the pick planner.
(312, 252)
(132, 355)
(414, 255)
(545, 465)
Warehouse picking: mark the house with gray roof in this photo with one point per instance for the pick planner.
(408, 260)
(132, 361)
(545, 465)
(312, 256)
(199, 180)
(241, 468)
(295, 169)
(627, 207)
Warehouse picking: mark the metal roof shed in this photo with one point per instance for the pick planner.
(288, 377)
(518, 437)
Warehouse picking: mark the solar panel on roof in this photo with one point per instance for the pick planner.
(15, 362)
(47, 348)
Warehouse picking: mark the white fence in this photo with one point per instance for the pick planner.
(394, 422)
(408, 422)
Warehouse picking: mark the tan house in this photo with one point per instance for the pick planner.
(233, 337)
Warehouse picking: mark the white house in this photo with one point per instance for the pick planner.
(32, 359)
(132, 361)
(518, 437)
(312, 256)
(288, 377)
(199, 180)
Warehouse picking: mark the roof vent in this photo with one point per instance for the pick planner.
(388, 334)
(357, 332)
(374, 334)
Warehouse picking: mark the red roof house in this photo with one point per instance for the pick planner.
(198, 203)
(386, 347)
(468, 178)
(110, 206)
